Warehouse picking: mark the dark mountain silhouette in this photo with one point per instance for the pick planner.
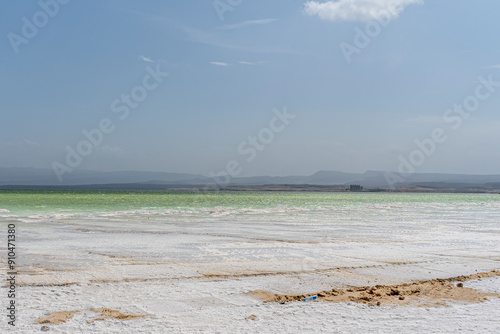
(84, 179)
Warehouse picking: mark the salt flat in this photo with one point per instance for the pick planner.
(190, 272)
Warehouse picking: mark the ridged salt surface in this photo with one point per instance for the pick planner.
(185, 260)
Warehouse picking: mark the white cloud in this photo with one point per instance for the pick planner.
(246, 24)
(494, 66)
(357, 10)
(219, 63)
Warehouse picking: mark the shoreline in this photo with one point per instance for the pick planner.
(138, 188)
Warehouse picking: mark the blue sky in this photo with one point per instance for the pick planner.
(227, 75)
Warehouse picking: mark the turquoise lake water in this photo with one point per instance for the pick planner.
(24, 203)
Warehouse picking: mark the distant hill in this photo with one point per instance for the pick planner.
(35, 176)
(84, 179)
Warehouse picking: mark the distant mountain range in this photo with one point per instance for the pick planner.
(84, 179)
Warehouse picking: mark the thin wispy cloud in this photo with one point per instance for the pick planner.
(24, 143)
(214, 39)
(146, 59)
(244, 62)
(246, 24)
(150, 60)
(357, 10)
(106, 149)
(425, 119)
(140, 13)
(219, 63)
(497, 66)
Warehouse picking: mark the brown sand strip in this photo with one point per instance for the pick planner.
(47, 284)
(435, 292)
(313, 271)
(56, 317)
(107, 313)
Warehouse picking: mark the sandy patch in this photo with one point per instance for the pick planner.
(107, 313)
(435, 292)
(56, 317)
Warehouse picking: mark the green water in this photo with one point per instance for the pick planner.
(39, 202)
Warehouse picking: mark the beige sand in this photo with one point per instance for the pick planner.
(56, 317)
(435, 292)
(107, 313)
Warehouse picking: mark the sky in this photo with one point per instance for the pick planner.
(280, 87)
